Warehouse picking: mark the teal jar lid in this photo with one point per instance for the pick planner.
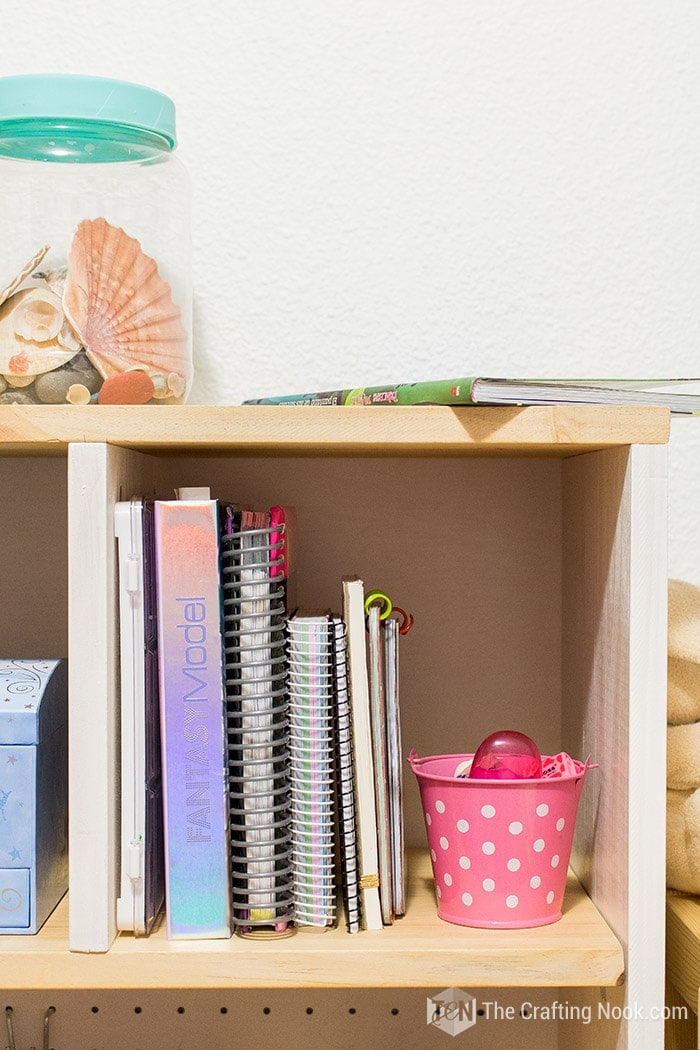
(78, 98)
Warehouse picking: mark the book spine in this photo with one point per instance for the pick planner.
(434, 392)
(345, 778)
(378, 725)
(395, 763)
(192, 719)
(154, 864)
(127, 526)
(354, 617)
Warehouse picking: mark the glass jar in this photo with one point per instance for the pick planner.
(95, 244)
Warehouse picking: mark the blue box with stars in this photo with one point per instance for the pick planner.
(33, 791)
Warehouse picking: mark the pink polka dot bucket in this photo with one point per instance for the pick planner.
(499, 848)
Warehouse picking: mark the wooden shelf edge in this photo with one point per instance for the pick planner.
(418, 951)
(557, 430)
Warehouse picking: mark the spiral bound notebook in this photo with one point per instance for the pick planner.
(253, 566)
(312, 767)
(345, 781)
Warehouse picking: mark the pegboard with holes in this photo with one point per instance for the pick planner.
(333, 1019)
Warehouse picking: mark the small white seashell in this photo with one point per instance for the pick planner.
(26, 270)
(160, 385)
(17, 382)
(38, 317)
(176, 385)
(78, 394)
(34, 335)
(55, 278)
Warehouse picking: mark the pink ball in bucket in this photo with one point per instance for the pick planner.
(506, 755)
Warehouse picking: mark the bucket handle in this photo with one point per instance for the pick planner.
(589, 765)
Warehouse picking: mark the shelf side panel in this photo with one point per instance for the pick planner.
(647, 731)
(613, 702)
(98, 476)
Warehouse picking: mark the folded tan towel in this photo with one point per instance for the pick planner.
(683, 738)
(683, 700)
(683, 653)
(684, 620)
(683, 757)
(683, 840)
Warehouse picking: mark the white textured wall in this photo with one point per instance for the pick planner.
(403, 190)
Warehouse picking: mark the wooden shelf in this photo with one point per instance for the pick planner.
(418, 951)
(536, 539)
(558, 431)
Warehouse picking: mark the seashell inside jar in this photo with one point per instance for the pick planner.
(105, 324)
(95, 244)
(123, 313)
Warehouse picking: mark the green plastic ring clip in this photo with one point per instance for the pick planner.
(379, 596)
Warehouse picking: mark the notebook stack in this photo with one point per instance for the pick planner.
(279, 734)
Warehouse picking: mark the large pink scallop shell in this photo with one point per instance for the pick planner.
(120, 306)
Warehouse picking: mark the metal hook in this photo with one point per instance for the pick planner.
(10, 1030)
(47, 1021)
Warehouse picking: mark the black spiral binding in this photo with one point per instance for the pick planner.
(345, 774)
(255, 653)
(312, 768)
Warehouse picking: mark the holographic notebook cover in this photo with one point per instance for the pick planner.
(192, 719)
